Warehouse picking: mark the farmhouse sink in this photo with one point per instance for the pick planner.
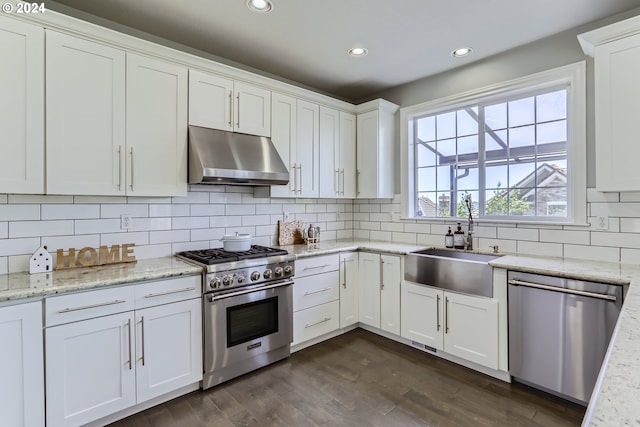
(458, 271)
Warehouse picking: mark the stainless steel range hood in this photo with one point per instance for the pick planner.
(220, 157)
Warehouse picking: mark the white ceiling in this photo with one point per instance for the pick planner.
(307, 41)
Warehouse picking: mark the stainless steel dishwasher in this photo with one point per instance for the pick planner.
(559, 330)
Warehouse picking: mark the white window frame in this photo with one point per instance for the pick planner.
(573, 76)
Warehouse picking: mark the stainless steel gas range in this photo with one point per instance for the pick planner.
(247, 309)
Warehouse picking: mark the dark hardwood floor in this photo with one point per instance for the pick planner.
(362, 379)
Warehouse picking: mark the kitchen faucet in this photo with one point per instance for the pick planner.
(469, 245)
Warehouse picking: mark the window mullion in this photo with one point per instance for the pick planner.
(481, 162)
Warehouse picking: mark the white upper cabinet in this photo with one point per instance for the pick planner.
(616, 50)
(220, 103)
(85, 86)
(156, 131)
(307, 148)
(337, 153)
(283, 135)
(375, 150)
(21, 107)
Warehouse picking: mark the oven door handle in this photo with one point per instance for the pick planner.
(213, 298)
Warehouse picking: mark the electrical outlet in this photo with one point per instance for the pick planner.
(288, 216)
(602, 222)
(126, 221)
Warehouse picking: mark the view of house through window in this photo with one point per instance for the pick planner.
(510, 156)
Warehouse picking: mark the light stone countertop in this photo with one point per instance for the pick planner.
(17, 286)
(617, 392)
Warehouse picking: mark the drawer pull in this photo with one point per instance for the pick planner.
(317, 266)
(177, 291)
(87, 307)
(317, 292)
(308, 325)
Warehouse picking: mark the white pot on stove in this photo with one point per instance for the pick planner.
(236, 242)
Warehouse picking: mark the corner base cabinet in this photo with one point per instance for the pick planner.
(461, 325)
(21, 370)
(110, 349)
(379, 302)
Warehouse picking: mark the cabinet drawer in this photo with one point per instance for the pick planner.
(315, 321)
(148, 294)
(315, 290)
(318, 264)
(86, 305)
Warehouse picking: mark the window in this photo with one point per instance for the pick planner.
(517, 151)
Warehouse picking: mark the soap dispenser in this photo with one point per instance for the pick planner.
(458, 238)
(448, 239)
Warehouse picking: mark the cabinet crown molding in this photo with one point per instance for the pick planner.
(618, 30)
(377, 104)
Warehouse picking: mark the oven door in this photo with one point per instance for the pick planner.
(241, 328)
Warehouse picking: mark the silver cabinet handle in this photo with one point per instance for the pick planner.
(238, 111)
(438, 312)
(358, 181)
(295, 179)
(129, 328)
(119, 167)
(446, 315)
(131, 153)
(317, 292)
(381, 274)
(342, 186)
(336, 182)
(300, 171)
(317, 266)
(516, 282)
(230, 108)
(344, 269)
(212, 298)
(308, 325)
(142, 339)
(177, 291)
(87, 307)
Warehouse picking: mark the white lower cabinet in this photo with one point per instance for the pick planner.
(461, 325)
(379, 301)
(348, 289)
(316, 305)
(21, 370)
(120, 347)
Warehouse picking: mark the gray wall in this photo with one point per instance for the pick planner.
(551, 52)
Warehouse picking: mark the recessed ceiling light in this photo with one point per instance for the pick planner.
(260, 6)
(460, 52)
(358, 52)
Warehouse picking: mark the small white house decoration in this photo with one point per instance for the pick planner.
(40, 261)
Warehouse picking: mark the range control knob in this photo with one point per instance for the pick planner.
(215, 283)
(240, 279)
(277, 271)
(267, 274)
(288, 270)
(255, 276)
(227, 280)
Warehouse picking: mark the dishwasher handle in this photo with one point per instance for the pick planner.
(516, 282)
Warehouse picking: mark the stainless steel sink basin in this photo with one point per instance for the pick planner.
(464, 272)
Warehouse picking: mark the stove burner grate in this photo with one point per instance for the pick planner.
(219, 255)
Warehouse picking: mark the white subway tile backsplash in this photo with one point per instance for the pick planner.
(225, 221)
(4, 230)
(168, 210)
(518, 233)
(97, 226)
(240, 209)
(4, 264)
(69, 211)
(207, 210)
(542, 249)
(631, 196)
(193, 246)
(18, 263)
(630, 256)
(430, 239)
(316, 208)
(384, 236)
(594, 196)
(19, 212)
(409, 238)
(153, 251)
(327, 217)
(358, 216)
(135, 237)
(188, 222)
(200, 234)
(53, 243)
(630, 225)
(337, 225)
(3, 199)
(225, 198)
(392, 226)
(359, 234)
(565, 236)
(594, 253)
(9, 247)
(256, 220)
(307, 218)
(40, 228)
(99, 200)
(382, 217)
(169, 236)
(345, 234)
(373, 207)
(418, 228)
(269, 209)
(618, 240)
(630, 210)
(192, 197)
(486, 231)
(115, 210)
(36, 199)
(148, 200)
(248, 198)
(266, 230)
(367, 225)
(504, 246)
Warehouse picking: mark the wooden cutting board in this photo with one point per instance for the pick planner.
(290, 233)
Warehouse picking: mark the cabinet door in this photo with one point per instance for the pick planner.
(367, 155)
(168, 348)
(329, 153)
(348, 289)
(283, 135)
(307, 148)
(252, 113)
(85, 99)
(21, 370)
(156, 127)
(421, 318)
(390, 293)
(21, 107)
(369, 286)
(471, 328)
(90, 369)
(617, 66)
(347, 155)
(210, 101)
